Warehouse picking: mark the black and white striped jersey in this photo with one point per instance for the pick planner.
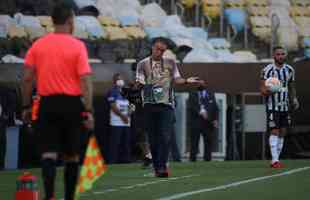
(279, 101)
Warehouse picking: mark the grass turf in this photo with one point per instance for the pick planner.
(130, 182)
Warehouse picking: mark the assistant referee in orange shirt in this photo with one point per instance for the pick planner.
(58, 63)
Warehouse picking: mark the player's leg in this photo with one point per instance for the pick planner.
(285, 122)
(165, 124)
(274, 130)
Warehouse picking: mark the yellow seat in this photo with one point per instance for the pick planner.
(35, 32)
(115, 33)
(134, 32)
(45, 21)
(301, 3)
(260, 22)
(235, 3)
(299, 11)
(302, 21)
(262, 3)
(108, 21)
(17, 31)
(263, 33)
(258, 11)
(211, 8)
(188, 4)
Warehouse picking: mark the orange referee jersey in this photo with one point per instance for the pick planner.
(58, 61)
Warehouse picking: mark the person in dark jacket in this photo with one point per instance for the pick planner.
(204, 120)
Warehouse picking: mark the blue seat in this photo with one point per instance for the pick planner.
(236, 17)
(199, 33)
(306, 42)
(307, 53)
(129, 20)
(154, 32)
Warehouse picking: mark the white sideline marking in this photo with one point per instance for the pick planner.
(185, 194)
(141, 185)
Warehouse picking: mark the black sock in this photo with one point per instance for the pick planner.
(49, 175)
(71, 177)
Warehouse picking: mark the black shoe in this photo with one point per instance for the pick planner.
(147, 162)
(165, 173)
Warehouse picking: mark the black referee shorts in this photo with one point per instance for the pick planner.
(60, 123)
(277, 120)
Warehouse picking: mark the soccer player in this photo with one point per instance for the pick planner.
(278, 103)
(59, 64)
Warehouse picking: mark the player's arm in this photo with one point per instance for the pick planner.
(293, 95)
(264, 89)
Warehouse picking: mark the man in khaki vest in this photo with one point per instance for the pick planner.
(157, 75)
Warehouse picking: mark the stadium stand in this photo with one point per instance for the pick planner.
(109, 21)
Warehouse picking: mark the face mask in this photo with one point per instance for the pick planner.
(120, 83)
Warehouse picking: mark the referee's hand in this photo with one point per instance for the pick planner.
(89, 121)
(26, 115)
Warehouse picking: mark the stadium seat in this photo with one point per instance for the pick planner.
(224, 55)
(17, 31)
(258, 11)
(211, 8)
(35, 32)
(245, 56)
(306, 42)
(258, 3)
(299, 11)
(280, 3)
(219, 43)
(302, 3)
(307, 53)
(4, 25)
(235, 3)
(288, 37)
(115, 33)
(153, 32)
(198, 33)
(263, 33)
(188, 4)
(236, 17)
(134, 32)
(129, 20)
(108, 21)
(152, 15)
(91, 25)
(45, 21)
(259, 22)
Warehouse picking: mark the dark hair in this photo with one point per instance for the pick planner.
(161, 40)
(62, 11)
(276, 48)
(116, 76)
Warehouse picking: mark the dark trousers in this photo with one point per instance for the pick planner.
(206, 129)
(174, 149)
(2, 144)
(159, 122)
(119, 145)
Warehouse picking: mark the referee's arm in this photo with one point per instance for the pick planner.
(87, 91)
(27, 81)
